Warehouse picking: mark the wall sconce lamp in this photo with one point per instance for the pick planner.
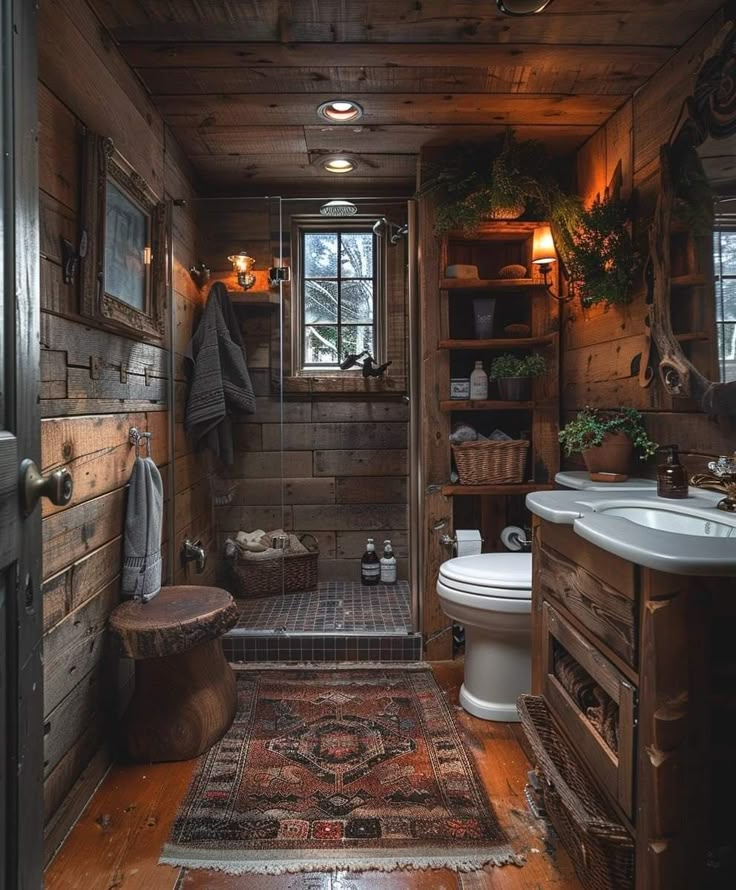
(243, 264)
(544, 256)
(543, 250)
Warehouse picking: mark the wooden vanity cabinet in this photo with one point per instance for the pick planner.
(656, 644)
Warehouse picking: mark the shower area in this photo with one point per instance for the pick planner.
(323, 294)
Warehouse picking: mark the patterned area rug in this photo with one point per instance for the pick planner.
(337, 769)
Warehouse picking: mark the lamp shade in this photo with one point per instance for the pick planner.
(543, 246)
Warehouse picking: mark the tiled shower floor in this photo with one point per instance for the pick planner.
(336, 607)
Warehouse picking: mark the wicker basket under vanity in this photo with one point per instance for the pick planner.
(290, 573)
(489, 463)
(601, 848)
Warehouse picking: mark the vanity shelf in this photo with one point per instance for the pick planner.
(512, 285)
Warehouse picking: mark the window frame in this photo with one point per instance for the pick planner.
(361, 223)
(727, 224)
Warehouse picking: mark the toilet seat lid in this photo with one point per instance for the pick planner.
(507, 572)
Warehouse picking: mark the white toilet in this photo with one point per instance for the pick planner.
(491, 596)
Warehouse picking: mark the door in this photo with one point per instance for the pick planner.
(21, 676)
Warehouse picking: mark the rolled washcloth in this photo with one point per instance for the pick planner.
(258, 544)
(141, 576)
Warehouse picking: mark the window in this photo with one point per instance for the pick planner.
(724, 256)
(339, 291)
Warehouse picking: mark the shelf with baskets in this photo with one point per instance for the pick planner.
(491, 472)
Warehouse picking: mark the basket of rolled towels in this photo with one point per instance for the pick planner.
(267, 563)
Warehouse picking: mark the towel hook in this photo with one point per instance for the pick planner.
(136, 436)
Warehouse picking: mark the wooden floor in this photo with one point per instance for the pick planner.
(117, 842)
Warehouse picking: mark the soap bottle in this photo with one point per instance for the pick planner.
(479, 383)
(370, 566)
(671, 475)
(388, 564)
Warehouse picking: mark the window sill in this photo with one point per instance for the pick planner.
(344, 385)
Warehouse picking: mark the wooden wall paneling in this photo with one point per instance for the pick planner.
(60, 136)
(361, 462)
(109, 100)
(434, 370)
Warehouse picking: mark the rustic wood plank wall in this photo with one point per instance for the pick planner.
(95, 386)
(343, 473)
(599, 347)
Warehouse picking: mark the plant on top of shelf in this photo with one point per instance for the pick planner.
(599, 254)
(513, 374)
(486, 181)
(607, 439)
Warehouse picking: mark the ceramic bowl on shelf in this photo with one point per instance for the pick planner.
(458, 270)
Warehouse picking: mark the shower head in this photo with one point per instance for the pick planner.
(338, 208)
(384, 228)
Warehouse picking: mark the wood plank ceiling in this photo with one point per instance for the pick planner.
(239, 81)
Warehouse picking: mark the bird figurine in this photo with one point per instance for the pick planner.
(372, 370)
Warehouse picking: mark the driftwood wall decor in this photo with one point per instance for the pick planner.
(711, 113)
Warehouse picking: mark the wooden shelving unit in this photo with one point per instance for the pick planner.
(501, 343)
(484, 405)
(529, 302)
(263, 299)
(517, 488)
(505, 286)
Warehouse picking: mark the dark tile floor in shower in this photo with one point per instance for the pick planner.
(341, 607)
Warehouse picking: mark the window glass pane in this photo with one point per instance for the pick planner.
(356, 338)
(357, 301)
(356, 255)
(320, 302)
(320, 345)
(726, 300)
(320, 255)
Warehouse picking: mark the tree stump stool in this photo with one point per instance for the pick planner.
(185, 692)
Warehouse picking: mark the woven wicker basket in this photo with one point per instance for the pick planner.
(600, 848)
(292, 573)
(483, 463)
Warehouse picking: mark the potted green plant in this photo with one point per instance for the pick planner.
(607, 440)
(487, 181)
(513, 375)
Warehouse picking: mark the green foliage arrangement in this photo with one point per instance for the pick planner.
(492, 181)
(599, 254)
(591, 424)
(508, 365)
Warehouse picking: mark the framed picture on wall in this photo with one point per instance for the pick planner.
(123, 244)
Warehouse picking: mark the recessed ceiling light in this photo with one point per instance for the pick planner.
(338, 207)
(340, 111)
(339, 165)
(522, 7)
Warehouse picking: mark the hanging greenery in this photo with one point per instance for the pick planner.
(599, 254)
(499, 180)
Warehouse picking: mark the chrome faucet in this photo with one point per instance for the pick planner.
(193, 551)
(722, 478)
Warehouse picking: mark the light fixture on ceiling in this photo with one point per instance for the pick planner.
(243, 265)
(522, 7)
(340, 111)
(338, 208)
(339, 164)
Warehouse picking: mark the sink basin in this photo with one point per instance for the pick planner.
(672, 520)
(686, 537)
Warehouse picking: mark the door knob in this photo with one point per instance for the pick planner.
(57, 486)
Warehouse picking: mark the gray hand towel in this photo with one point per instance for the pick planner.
(221, 382)
(142, 542)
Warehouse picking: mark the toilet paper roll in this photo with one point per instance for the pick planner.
(469, 542)
(512, 538)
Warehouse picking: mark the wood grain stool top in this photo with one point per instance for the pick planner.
(173, 622)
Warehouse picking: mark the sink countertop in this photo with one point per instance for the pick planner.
(580, 479)
(663, 551)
